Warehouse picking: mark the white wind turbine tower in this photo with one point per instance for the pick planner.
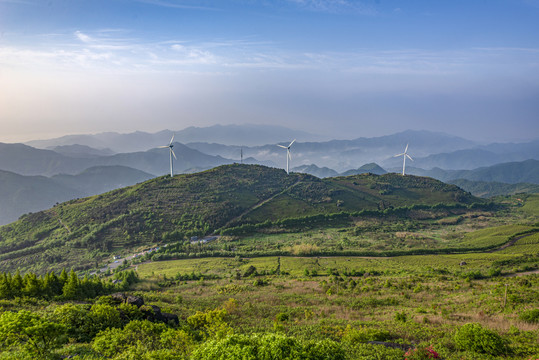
(288, 156)
(404, 156)
(170, 146)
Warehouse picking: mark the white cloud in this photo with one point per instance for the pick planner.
(83, 37)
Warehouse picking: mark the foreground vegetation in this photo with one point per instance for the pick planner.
(297, 308)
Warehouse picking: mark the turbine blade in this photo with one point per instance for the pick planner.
(284, 147)
(172, 139)
(409, 157)
(172, 151)
(163, 147)
(289, 155)
(292, 142)
(405, 150)
(398, 155)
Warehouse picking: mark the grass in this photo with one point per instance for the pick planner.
(492, 236)
(531, 204)
(435, 295)
(295, 266)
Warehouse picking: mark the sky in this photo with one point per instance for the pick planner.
(340, 68)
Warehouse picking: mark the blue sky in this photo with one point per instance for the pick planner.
(341, 68)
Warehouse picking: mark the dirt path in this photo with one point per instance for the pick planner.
(61, 222)
(256, 206)
(511, 243)
(523, 273)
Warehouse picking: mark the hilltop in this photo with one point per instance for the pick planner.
(83, 232)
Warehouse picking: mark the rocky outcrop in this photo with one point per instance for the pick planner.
(151, 312)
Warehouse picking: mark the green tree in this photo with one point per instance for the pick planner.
(17, 284)
(36, 336)
(72, 289)
(5, 286)
(32, 285)
(114, 341)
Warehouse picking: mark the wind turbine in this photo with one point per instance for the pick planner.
(288, 156)
(404, 156)
(170, 146)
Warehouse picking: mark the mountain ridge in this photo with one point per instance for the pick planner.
(165, 209)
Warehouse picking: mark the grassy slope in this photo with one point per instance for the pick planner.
(84, 231)
(357, 192)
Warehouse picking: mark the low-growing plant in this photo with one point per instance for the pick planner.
(473, 337)
(421, 353)
(530, 316)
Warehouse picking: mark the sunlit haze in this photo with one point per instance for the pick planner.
(344, 69)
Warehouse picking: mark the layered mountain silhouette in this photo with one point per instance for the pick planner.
(26, 160)
(23, 194)
(436, 155)
(248, 134)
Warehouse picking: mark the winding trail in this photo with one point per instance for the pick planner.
(511, 243)
(259, 204)
(60, 221)
(522, 273)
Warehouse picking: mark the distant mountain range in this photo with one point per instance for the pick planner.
(248, 135)
(23, 194)
(510, 173)
(478, 157)
(342, 155)
(429, 149)
(26, 160)
(488, 189)
(80, 151)
(371, 168)
(69, 161)
(325, 172)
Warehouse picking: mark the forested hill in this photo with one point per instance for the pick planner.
(83, 232)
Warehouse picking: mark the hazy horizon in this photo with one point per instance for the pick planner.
(344, 69)
(323, 138)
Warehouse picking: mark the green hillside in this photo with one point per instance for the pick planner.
(487, 189)
(84, 232)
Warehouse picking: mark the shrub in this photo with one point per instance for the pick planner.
(323, 349)
(530, 316)
(267, 347)
(364, 334)
(36, 336)
(401, 316)
(421, 354)
(473, 337)
(373, 352)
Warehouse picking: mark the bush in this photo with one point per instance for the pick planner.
(530, 316)
(473, 337)
(267, 347)
(323, 349)
(421, 354)
(26, 330)
(401, 316)
(364, 334)
(373, 352)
